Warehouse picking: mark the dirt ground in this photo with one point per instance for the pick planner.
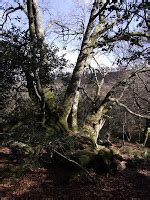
(52, 184)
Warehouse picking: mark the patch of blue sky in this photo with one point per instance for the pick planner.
(17, 18)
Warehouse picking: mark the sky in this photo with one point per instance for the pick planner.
(62, 10)
(66, 8)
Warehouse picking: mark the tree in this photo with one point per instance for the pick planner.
(96, 35)
(18, 72)
(109, 24)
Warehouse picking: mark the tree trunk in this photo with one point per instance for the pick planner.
(31, 19)
(94, 124)
(35, 88)
(147, 127)
(88, 44)
(74, 113)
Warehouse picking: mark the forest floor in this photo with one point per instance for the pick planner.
(50, 183)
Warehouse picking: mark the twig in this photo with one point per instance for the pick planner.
(74, 162)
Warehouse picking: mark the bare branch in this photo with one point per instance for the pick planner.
(49, 25)
(100, 10)
(124, 36)
(145, 84)
(8, 11)
(128, 109)
(99, 85)
(125, 81)
(88, 97)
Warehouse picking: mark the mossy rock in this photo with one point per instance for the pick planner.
(135, 162)
(84, 157)
(106, 161)
(107, 154)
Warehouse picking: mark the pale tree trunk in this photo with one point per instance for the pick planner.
(31, 19)
(93, 32)
(45, 98)
(38, 21)
(74, 84)
(37, 41)
(147, 127)
(94, 123)
(36, 35)
(88, 44)
(35, 22)
(92, 131)
(74, 113)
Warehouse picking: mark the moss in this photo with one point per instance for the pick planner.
(63, 115)
(147, 134)
(50, 99)
(66, 105)
(106, 154)
(53, 125)
(84, 157)
(88, 131)
(50, 132)
(75, 177)
(54, 129)
(93, 119)
(63, 123)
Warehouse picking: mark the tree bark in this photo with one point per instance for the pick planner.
(37, 43)
(88, 44)
(74, 113)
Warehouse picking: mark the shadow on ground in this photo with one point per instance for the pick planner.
(55, 183)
